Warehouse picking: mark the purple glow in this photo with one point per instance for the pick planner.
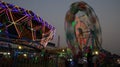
(50, 26)
(35, 18)
(28, 13)
(3, 6)
(41, 20)
(15, 10)
(46, 23)
(53, 28)
(32, 14)
(10, 6)
(22, 9)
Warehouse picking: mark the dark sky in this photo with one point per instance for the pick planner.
(53, 11)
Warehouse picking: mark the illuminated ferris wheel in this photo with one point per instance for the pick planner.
(82, 28)
(21, 26)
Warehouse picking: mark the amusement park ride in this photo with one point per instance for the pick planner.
(21, 26)
(83, 32)
(84, 37)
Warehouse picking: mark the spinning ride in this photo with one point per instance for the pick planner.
(82, 29)
(21, 26)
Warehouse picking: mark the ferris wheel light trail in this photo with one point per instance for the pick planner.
(82, 28)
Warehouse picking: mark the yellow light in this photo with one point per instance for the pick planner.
(63, 50)
(96, 52)
(19, 47)
(25, 55)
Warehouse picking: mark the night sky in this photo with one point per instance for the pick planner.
(53, 11)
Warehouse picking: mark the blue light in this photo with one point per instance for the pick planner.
(72, 63)
(31, 13)
(22, 9)
(35, 18)
(1, 5)
(15, 10)
(1, 24)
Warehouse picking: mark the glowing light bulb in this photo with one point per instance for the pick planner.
(25, 55)
(96, 52)
(8, 53)
(19, 47)
(63, 50)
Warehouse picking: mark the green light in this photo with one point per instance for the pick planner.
(0, 30)
(36, 58)
(73, 23)
(40, 31)
(86, 55)
(42, 53)
(91, 47)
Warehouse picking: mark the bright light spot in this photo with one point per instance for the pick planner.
(96, 52)
(19, 47)
(63, 50)
(70, 59)
(8, 53)
(25, 55)
(118, 60)
(4, 53)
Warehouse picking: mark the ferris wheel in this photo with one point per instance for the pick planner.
(82, 28)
